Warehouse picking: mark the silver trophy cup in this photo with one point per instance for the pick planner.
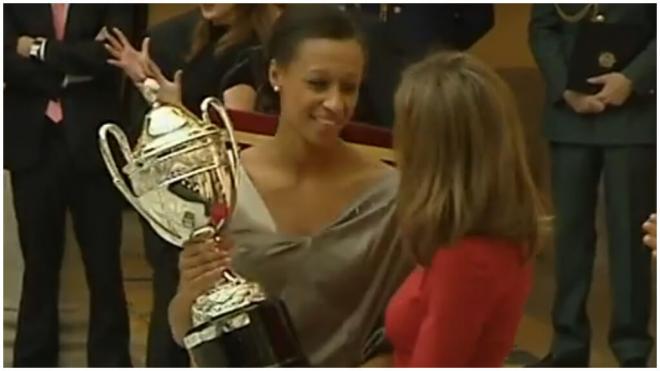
(183, 181)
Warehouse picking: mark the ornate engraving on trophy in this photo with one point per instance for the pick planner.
(183, 179)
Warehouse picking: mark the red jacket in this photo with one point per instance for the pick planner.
(464, 309)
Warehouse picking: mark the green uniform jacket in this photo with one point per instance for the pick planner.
(552, 40)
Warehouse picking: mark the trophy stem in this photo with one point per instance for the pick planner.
(210, 233)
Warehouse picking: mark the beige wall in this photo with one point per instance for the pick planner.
(160, 12)
(504, 46)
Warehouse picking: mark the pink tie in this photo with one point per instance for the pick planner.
(54, 109)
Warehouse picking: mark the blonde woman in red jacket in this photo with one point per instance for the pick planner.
(470, 212)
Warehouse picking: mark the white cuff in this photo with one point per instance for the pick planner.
(42, 50)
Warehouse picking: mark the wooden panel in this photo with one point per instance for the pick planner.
(506, 43)
(248, 139)
(253, 128)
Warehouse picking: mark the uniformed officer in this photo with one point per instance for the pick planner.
(399, 34)
(609, 134)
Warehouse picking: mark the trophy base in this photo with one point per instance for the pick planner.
(258, 335)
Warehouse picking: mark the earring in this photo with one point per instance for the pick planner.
(276, 88)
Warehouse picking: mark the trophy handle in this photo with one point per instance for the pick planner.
(229, 127)
(118, 180)
(228, 274)
(109, 160)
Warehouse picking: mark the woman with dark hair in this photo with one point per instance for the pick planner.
(314, 219)
(220, 39)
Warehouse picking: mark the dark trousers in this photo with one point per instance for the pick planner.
(629, 178)
(162, 350)
(42, 194)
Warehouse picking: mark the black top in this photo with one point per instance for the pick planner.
(251, 69)
(202, 74)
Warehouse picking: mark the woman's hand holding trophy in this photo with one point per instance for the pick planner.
(202, 263)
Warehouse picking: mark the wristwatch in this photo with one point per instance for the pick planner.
(38, 48)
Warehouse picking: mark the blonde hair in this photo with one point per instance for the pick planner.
(248, 20)
(463, 158)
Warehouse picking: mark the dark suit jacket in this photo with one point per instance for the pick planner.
(407, 34)
(552, 40)
(413, 29)
(30, 84)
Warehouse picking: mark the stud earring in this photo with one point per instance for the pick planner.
(276, 88)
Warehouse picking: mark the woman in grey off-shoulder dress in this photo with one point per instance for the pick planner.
(335, 283)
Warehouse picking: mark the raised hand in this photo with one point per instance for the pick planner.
(169, 91)
(131, 61)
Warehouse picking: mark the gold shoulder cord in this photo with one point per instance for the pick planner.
(382, 12)
(577, 17)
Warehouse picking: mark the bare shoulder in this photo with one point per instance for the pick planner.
(250, 156)
(252, 161)
(257, 163)
(369, 170)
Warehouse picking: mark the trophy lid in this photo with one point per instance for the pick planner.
(168, 126)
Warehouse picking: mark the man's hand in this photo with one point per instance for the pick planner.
(616, 88)
(23, 46)
(583, 103)
(650, 231)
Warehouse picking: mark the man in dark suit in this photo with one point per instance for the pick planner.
(169, 48)
(399, 34)
(58, 91)
(612, 134)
